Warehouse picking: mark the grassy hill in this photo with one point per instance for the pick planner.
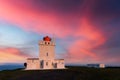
(72, 73)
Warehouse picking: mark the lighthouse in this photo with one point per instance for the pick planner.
(46, 59)
(47, 49)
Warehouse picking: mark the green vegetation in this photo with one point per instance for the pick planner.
(72, 73)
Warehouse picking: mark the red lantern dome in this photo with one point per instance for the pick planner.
(47, 38)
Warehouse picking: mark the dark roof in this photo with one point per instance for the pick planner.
(32, 58)
(46, 38)
(59, 59)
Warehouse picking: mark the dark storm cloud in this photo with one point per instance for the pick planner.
(61, 5)
(112, 42)
(105, 15)
(105, 11)
(98, 8)
(106, 8)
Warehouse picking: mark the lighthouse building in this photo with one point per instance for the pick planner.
(46, 58)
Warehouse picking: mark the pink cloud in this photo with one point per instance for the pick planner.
(90, 38)
(11, 55)
(29, 19)
(32, 20)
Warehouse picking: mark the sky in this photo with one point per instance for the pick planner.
(86, 31)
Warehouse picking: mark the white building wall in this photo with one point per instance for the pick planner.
(96, 65)
(33, 64)
(60, 63)
(102, 65)
(47, 64)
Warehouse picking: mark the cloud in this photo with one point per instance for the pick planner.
(12, 55)
(89, 38)
(84, 21)
(42, 20)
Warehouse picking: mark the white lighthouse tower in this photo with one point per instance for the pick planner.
(47, 49)
(46, 58)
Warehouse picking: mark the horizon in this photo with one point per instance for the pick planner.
(85, 31)
(22, 64)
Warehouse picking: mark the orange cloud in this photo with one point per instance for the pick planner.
(11, 55)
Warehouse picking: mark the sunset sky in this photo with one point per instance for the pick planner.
(86, 31)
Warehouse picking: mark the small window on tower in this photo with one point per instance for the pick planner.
(46, 63)
(45, 42)
(47, 54)
(41, 63)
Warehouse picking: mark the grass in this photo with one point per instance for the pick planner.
(72, 73)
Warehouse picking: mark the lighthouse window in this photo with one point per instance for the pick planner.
(45, 42)
(46, 54)
(48, 43)
(46, 63)
(41, 63)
